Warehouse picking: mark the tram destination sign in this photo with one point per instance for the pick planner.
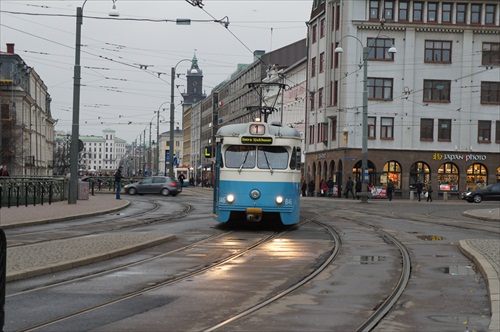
(256, 140)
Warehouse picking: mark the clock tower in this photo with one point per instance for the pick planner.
(194, 92)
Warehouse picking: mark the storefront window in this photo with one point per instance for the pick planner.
(477, 177)
(498, 174)
(392, 170)
(356, 172)
(419, 172)
(448, 177)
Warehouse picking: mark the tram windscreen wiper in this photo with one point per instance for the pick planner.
(267, 161)
(244, 161)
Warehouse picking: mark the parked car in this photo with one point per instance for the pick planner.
(155, 185)
(488, 193)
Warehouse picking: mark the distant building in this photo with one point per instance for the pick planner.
(26, 123)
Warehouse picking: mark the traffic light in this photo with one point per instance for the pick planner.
(208, 151)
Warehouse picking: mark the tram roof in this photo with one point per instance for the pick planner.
(242, 128)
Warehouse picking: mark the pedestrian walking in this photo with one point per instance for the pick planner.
(358, 188)
(419, 190)
(118, 181)
(348, 188)
(310, 188)
(303, 188)
(429, 193)
(181, 178)
(390, 189)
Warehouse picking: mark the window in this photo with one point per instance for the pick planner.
(489, 15)
(389, 10)
(320, 98)
(461, 13)
(491, 54)
(335, 59)
(379, 49)
(333, 93)
(240, 156)
(437, 91)
(438, 51)
(314, 33)
(313, 67)
(484, 132)
(432, 10)
(477, 176)
(448, 177)
(497, 130)
(322, 28)
(322, 62)
(337, 17)
(403, 11)
(475, 14)
(490, 93)
(372, 129)
(311, 134)
(334, 128)
(374, 8)
(426, 129)
(312, 99)
(322, 132)
(418, 8)
(272, 157)
(380, 88)
(444, 130)
(446, 13)
(387, 128)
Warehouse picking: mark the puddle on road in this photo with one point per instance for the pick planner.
(430, 237)
(367, 259)
(460, 270)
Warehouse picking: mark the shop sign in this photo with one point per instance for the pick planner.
(456, 156)
(321, 156)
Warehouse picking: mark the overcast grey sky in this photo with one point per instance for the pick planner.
(117, 91)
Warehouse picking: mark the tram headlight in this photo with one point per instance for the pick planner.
(230, 198)
(279, 199)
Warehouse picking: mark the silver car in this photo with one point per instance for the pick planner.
(155, 185)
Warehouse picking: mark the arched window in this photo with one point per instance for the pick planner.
(477, 176)
(392, 170)
(448, 177)
(419, 172)
(356, 172)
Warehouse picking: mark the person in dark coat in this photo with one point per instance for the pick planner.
(303, 188)
(348, 188)
(390, 189)
(329, 185)
(429, 193)
(310, 188)
(359, 185)
(419, 190)
(118, 181)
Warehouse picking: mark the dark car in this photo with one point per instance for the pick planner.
(488, 193)
(155, 185)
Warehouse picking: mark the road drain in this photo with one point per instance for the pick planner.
(460, 270)
(366, 259)
(430, 237)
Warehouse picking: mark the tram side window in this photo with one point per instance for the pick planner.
(237, 156)
(272, 157)
(295, 160)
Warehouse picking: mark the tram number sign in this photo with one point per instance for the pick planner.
(256, 140)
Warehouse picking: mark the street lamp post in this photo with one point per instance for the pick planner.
(364, 144)
(172, 118)
(73, 182)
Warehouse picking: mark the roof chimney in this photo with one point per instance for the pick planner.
(10, 48)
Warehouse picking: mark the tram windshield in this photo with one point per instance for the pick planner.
(244, 156)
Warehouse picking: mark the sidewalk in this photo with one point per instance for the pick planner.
(29, 261)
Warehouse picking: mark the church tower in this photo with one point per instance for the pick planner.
(194, 92)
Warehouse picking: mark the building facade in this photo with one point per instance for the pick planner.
(432, 110)
(26, 124)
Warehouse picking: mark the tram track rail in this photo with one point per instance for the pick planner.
(113, 224)
(150, 287)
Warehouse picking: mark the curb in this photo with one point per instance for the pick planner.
(492, 281)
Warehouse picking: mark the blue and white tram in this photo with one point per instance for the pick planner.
(257, 173)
